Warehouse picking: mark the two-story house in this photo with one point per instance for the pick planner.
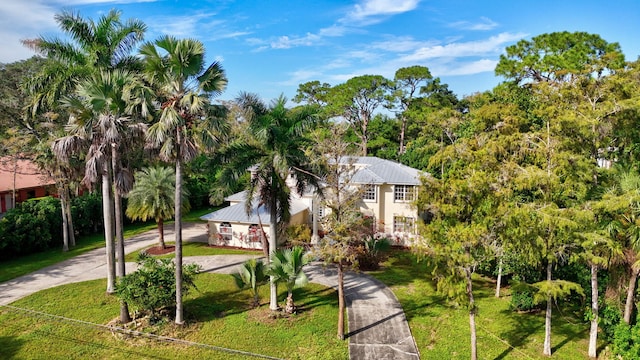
(388, 190)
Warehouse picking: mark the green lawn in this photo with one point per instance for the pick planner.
(217, 314)
(441, 330)
(198, 249)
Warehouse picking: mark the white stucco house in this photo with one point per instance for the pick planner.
(388, 191)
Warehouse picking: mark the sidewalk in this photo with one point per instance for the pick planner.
(378, 328)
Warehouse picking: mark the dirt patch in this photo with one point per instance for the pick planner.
(158, 250)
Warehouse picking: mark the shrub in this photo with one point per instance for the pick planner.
(86, 211)
(153, 286)
(32, 226)
(372, 252)
(299, 234)
(522, 298)
(251, 276)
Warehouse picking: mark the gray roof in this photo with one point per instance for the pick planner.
(373, 170)
(239, 196)
(259, 214)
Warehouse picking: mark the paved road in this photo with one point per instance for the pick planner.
(378, 328)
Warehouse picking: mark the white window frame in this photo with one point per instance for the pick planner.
(404, 224)
(369, 189)
(254, 233)
(226, 231)
(404, 193)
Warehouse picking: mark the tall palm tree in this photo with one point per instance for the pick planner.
(188, 121)
(88, 47)
(274, 151)
(100, 122)
(286, 267)
(152, 197)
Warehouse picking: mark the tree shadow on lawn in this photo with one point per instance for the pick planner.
(211, 305)
(10, 346)
(523, 326)
(306, 299)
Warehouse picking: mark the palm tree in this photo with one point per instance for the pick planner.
(274, 151)
(100, 122)
(251, 276)
(91, 47)
(286, 267)
(176, 69)
(152, 197)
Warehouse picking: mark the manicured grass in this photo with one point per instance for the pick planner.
(441, 330)
(197, 249)
(217, 314)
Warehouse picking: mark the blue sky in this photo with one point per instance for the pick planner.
(270, 47)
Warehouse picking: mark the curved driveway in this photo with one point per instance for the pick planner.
(377, 325)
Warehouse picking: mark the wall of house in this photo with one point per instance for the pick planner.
(239, 236)
(385, 208)
(240, 231)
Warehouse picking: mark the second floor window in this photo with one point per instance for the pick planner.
(369, 192)
(404, 193)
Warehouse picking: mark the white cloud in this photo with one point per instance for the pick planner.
(468, 68)
(491, 45)
(400, 44)
(181, 26)
(285, 42)
(484, 24)
(371, 8)
(20, 21)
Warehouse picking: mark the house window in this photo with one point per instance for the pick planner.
(404, 193)
(255, 234)
(369, 193)
(225, 231)
(404, 224)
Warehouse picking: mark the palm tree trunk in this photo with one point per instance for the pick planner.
(290, 306)
(117, 201)
(160, 222)
(108, 230)
(547, 319)
(341, 305)
(593, 334)
(178, 231)
(67, 209)
(499, 280)
(273, 246)
(631, 293)
(65, 227)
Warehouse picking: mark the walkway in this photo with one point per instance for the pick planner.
(377, 325)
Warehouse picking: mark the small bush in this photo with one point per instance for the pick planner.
(86, 211)
(372, 252)
(522, 298)
(299, 234)
(153, 286)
